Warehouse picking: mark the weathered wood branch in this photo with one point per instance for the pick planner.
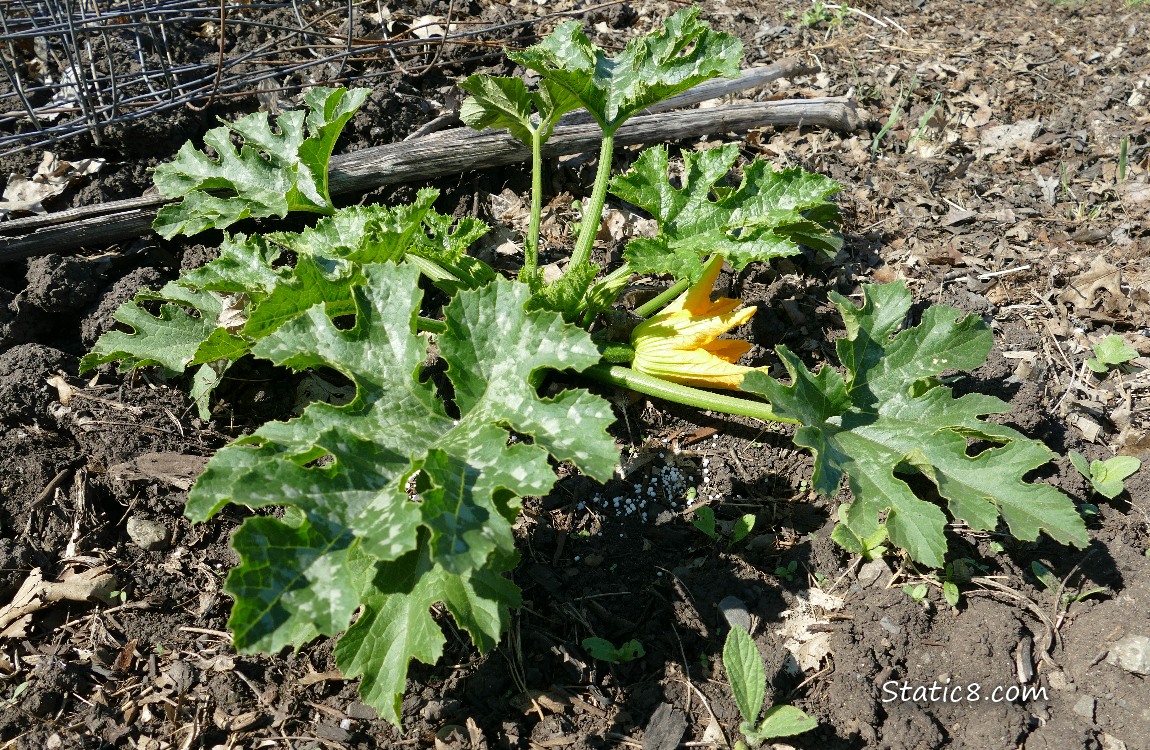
(446, 152)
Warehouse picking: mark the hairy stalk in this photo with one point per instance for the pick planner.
(593, 211)
(616, 352)
(531, 251)
(430, 325)
(430, 268)
(625, 377)
(654, 305)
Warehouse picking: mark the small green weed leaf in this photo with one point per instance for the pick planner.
(782, 721)
(950, 593)
(1080, 462)
(704, 521)
(343, 472)
(498, 102)
(916, 593)
(744, 665)
(742, 528)
(769, 215)
(654, 67)
(1110, 352)
(891, 415)
(271, 174)
(1044, 575)
(1107, 476)
(604, 650)
(871, 548)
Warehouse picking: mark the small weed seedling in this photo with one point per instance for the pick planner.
(1110, 352)
(744, 665)
(603, 650)
(1106, 477)
(1051, 583)
(916, 593)
(787, 572)
(705, 522)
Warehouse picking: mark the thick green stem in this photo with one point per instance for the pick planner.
(625, 377)
(593, 211)
(616, 352)
(531, 251)
(430, 325)
(652, 306)
(430, 268)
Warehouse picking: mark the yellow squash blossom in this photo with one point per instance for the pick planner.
(682, 344)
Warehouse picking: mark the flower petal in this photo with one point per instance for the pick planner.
(729, 350)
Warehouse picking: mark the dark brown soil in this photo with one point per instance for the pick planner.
(995, 191)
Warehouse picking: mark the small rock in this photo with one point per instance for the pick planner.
(433, 711)
(1058, 680)
(665, 729)
(361, 712)
(872, 571)
(1110, 742)
(889, 626)
(1085, 707)
(1132, 653)
(735, 612)
(148, 534)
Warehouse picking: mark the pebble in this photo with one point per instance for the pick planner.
(1132, 653)
(889, 626)
(148, 534)
(1085, 707)
(735, 612)
(870, 573)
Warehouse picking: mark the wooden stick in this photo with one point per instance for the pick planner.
(749, 78)
(446, 152)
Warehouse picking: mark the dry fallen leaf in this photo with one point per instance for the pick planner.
(53, 177)
(36, 594)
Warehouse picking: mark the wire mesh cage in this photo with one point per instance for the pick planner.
(77, 66)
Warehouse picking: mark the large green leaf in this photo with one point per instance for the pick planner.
(248, 292)
(890, 415)
(769, 215)
(272, 173)
(170, 340)
(653, 67)
(392, 477)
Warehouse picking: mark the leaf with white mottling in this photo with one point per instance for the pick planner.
(346, 469)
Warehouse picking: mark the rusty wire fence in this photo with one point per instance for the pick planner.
(71, 67)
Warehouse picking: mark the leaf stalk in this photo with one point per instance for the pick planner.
(625, 377)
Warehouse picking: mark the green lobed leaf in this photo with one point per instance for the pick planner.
(170, 341)
(653, 67)
(890, 415)
(498, 102)
(345, 470)
(272, 173)
(769, 215)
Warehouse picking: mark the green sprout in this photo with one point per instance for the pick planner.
(744, 666)
(604, 650)
(1106, 477)
(1110, 352)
